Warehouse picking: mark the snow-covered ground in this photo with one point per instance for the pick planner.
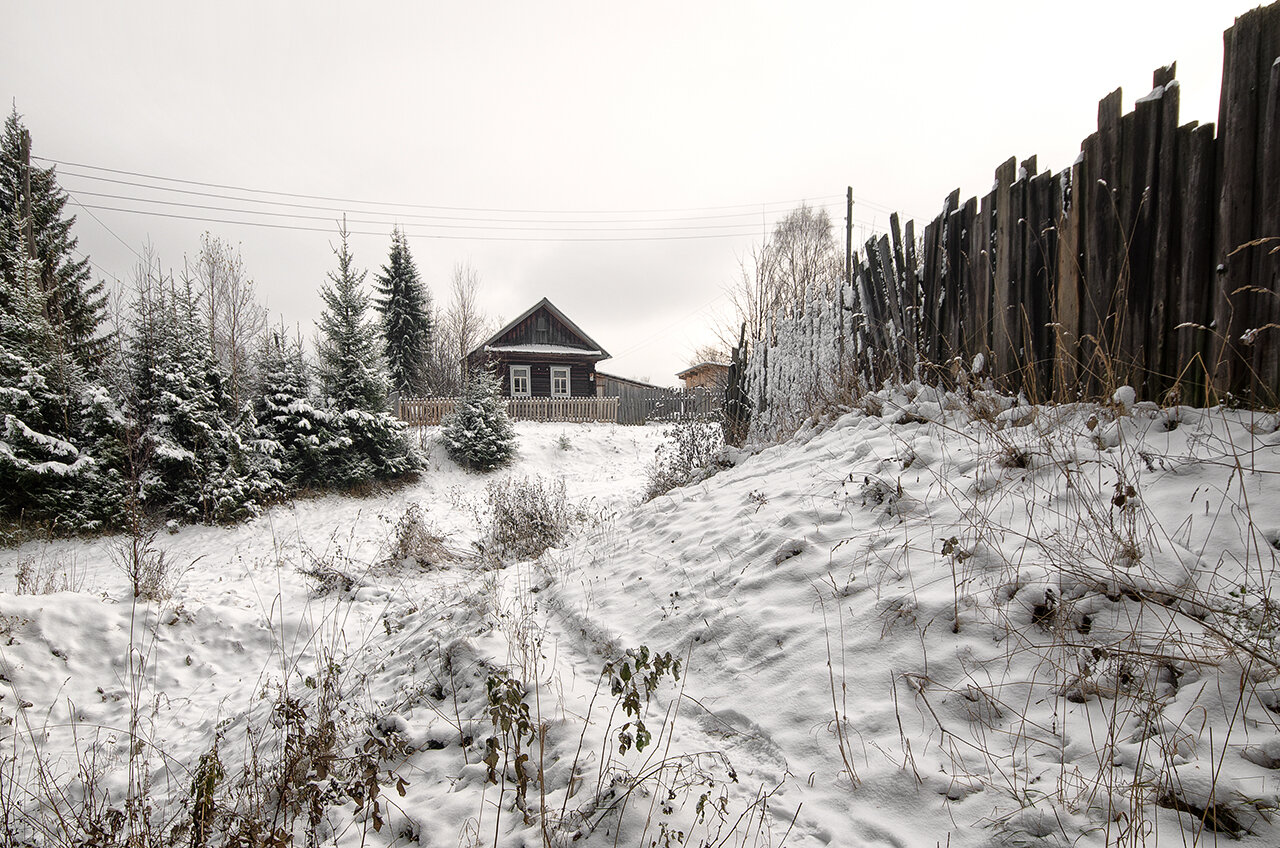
(934, 621)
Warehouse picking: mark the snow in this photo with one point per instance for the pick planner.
(918, 624)
(550, 349)
(1124, 397)
(1157, 93)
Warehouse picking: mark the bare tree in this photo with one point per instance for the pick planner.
(460, 326)
(805, 258)
(799, 260)
(231, 312)
(751, 294)
(709, 353)
(464, 315)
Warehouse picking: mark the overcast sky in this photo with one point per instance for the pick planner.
(522, 125)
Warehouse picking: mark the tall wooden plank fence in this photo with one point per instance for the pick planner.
(1152, 261)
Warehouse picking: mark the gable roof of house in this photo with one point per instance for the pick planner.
(594, 348)
(701, 366)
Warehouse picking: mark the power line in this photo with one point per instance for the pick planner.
(397, 214)
(298, 228)
(752, 206)
(448, 237)
(88, 209)
(653, 337)
(600, 228)
(101, 270)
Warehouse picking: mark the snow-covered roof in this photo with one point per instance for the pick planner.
(693, 369)
(549, 349)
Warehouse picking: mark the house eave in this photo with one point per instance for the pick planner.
(545, 350)
(554, 310)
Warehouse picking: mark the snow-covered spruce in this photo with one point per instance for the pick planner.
(478, 434)
(368, 444)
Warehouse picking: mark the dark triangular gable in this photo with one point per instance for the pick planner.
(560, 331)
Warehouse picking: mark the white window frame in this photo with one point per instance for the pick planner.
(521, 372)
(568, 381)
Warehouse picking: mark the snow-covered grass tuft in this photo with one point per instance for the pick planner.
(526, 517)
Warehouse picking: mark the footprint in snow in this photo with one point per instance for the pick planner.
(788, 549)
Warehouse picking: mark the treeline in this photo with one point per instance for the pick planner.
(174, 399)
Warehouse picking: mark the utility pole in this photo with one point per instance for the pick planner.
(26, 193)
(848, 236)
(848, 275)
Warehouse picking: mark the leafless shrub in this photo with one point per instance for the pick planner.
(150, 573)
(690, 454)
(413, 542)
(43, 576)
(527, 516)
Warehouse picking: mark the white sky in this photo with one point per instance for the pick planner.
(551, 107)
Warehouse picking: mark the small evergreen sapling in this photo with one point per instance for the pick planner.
(479, 435)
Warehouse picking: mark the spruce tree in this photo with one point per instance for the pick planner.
(350, 363)
(39, 460)
(369, 444)
(479, 434)
(287, 417)
(404, 305)
(74, 305)
(60, 433)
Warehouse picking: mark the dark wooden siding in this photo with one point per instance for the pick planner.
(526, 332)
(580, 375)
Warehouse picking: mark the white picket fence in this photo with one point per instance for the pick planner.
(430, 411)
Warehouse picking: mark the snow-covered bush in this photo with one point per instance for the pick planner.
(197, 457)
(478, 434)
(48, 428)
(529, 515)
(692, 454)
(414, 542)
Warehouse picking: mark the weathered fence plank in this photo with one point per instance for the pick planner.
(1266, 345)
(1196, 294)
(1002, 304)
(968, 243)
(1067, 294)
(1167, 207)
(1237, 141)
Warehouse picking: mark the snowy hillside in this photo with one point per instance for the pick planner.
(933, 621)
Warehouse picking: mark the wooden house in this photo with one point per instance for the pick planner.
(706, 375)
(541, 354)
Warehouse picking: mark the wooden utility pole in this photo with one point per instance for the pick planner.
(848, 273)
(848, 235)
(26, 193)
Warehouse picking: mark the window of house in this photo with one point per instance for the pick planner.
(542, 332)
(520, 381)
(560, 382)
